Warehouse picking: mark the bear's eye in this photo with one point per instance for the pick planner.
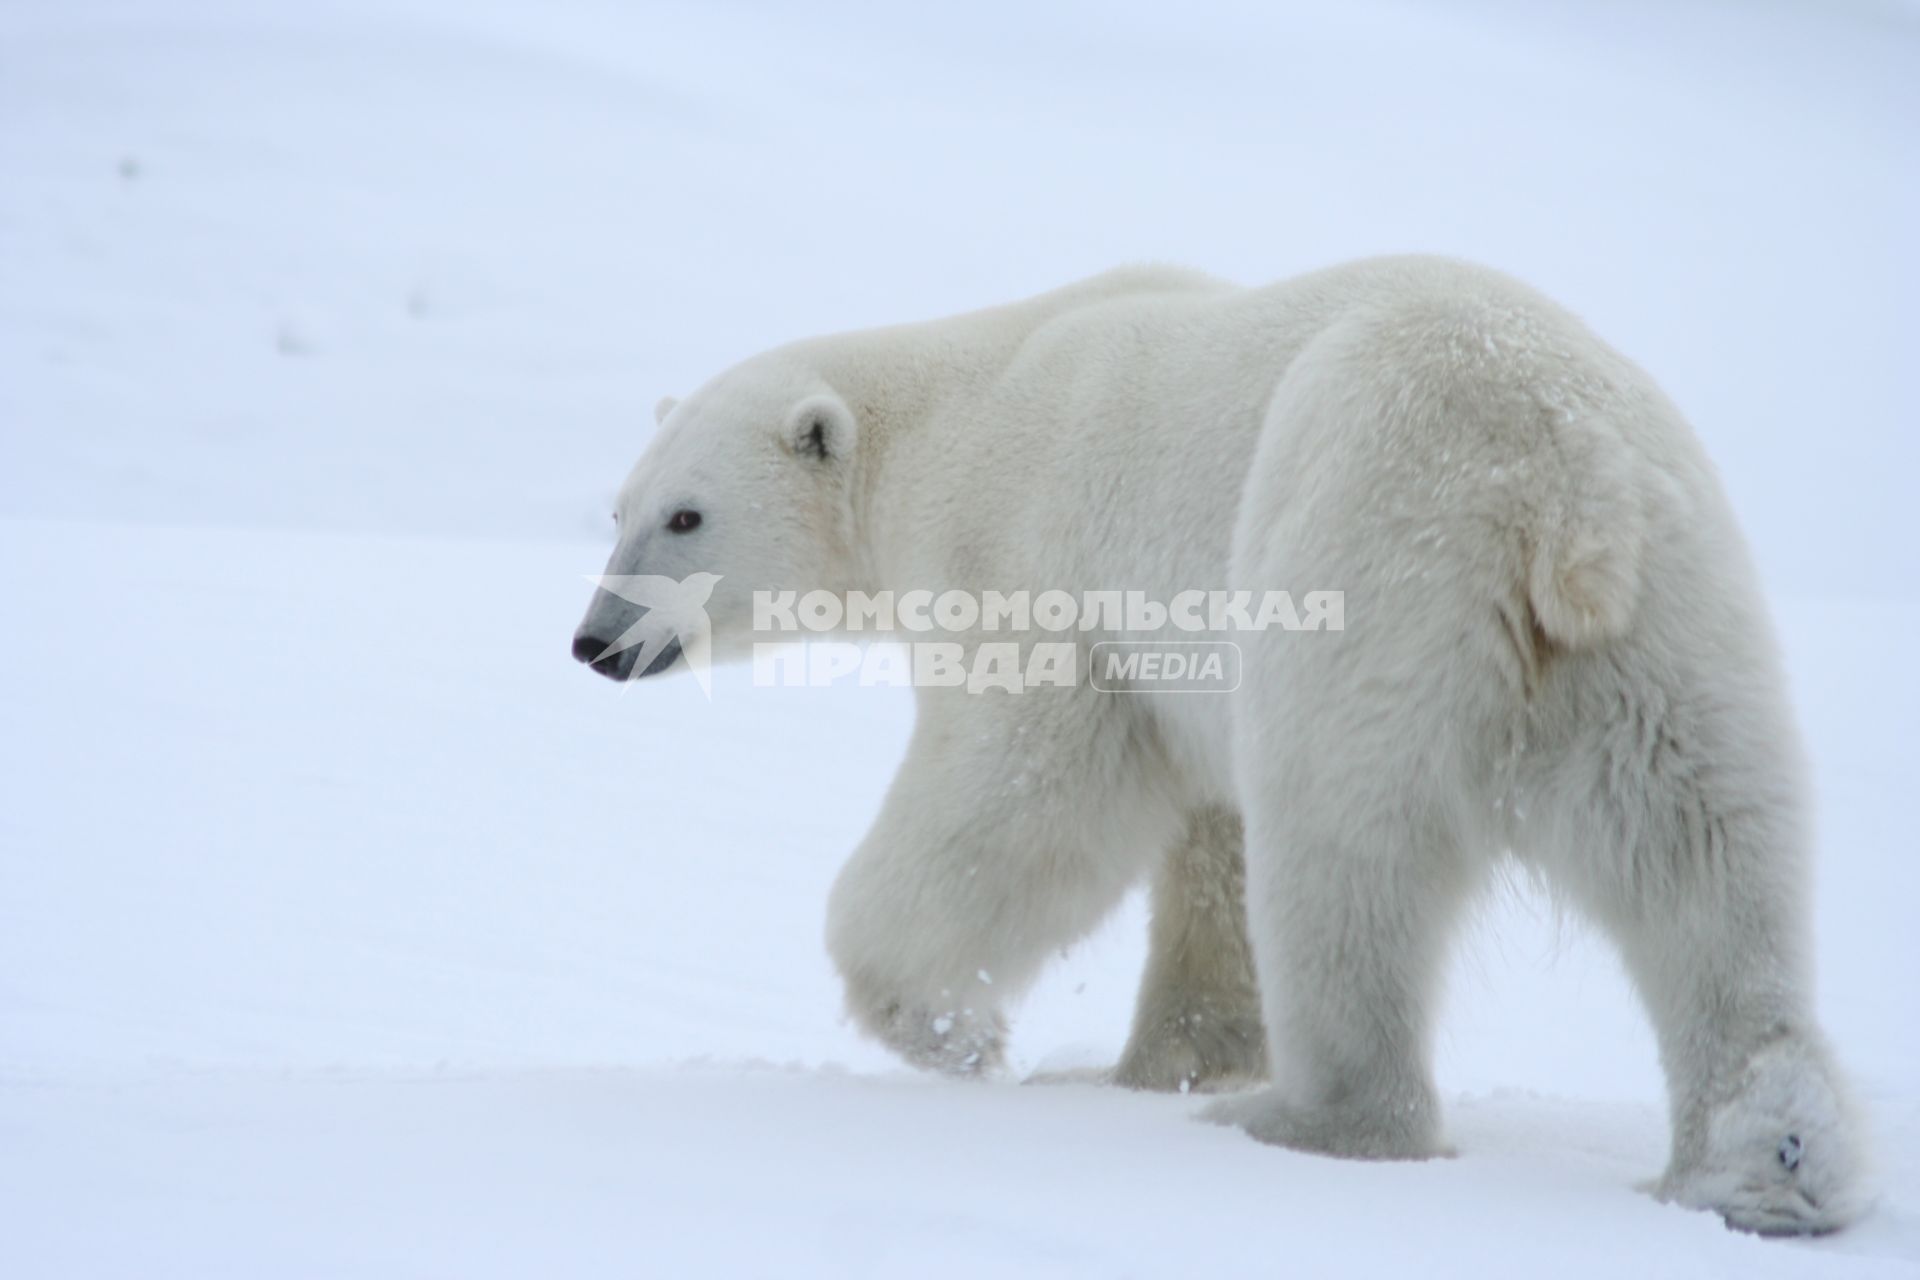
(683, 521)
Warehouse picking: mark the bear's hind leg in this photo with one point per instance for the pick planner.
(1685, 838)
(1197, 1023)
(1351, 917)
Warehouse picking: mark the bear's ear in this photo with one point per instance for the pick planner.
(661, 410)
(821, 428)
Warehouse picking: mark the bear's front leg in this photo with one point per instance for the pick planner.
(1197, 1024)
(960, 1033)
(1003, 838)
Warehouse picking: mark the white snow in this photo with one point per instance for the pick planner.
(347, 927)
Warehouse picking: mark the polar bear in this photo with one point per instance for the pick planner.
(1553, 649)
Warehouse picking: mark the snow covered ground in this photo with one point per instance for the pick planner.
(348, 928)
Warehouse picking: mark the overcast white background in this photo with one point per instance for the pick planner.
(347, 927)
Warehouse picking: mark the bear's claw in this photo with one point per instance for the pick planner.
(959, 1043)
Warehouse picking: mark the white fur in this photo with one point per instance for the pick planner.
(1553, 647)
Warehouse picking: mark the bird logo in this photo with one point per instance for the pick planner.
(673, 622)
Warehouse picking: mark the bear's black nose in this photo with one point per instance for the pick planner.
(586, 648)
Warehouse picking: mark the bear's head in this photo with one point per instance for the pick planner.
(745, 487)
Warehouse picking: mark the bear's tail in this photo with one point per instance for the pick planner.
(1587, 537)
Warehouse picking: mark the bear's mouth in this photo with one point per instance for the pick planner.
(661, 660)
(620, 666)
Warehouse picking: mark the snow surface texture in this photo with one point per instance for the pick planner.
(348, 928)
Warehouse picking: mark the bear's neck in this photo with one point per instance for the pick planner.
(897, 381)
